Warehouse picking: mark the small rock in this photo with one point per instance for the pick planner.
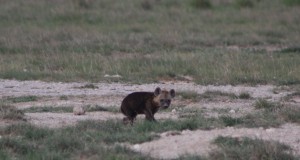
(112, 76)
(173, 111)
(137, 147)
(78, 110)
(232, 111)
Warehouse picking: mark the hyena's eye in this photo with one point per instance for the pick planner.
(161, 101)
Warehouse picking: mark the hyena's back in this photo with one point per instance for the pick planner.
(135, 103)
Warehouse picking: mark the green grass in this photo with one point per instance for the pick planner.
(291, 96)
(204, 4)
(246, 148)
(244, 3)
(96, 108)
(291, 2)
(88, 138)
(244, 95)
(230, 121)
(68, 109)
(21, 99)
(63, 97)
(190, 95)
(60, 109)
(264, 104)
(90, 86)
(29, 142)
(77, 40)
(98, 139)
(269, 115)
(265, 117)
(290, 114)
(10, 112)
(211, 95)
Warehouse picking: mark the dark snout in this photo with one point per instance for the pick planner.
(165, 104)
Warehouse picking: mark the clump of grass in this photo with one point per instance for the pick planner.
(86, 4)
(68, 109)
(291, 2)
(27, 131)
(263, 119)
(291, 96)
(192, 157)
(63, 97)
(10, 112)
(246, 148)
(203, 4)
(91, 86)
(264, 104)
(213, 94)
(272, 116)
(146, 5)
(61, 109)
(188, 95)
(230, 121)
(22, 99)
(290, 114)
(244, 95)
(17, 146)
(269, 116)
(244, 3)
(95, 108)
(291, 49)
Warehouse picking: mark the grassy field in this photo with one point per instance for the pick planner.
(222, 42)
(101, 140)
(144, 41)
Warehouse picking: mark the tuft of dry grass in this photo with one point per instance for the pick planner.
(10, 112)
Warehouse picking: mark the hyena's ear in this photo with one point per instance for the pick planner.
(172, 93)
(157, 91)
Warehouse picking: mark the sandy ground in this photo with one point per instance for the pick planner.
(169, 145)
(199, 142)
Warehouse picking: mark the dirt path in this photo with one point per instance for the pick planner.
(199, 142)
(38, 88)
(168, 146)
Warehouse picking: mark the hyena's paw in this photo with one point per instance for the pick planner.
(127, 120)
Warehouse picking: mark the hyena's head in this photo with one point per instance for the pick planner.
(163, 97)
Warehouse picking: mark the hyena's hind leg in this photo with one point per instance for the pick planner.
(130, 117)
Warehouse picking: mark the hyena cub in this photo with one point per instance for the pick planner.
(146, 103)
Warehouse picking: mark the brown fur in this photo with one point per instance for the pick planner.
(147, 103)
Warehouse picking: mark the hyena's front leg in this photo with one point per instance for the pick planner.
(149, 115)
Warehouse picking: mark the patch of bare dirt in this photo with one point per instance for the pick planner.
(56, 120)
(39, 88)
(199, 142)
